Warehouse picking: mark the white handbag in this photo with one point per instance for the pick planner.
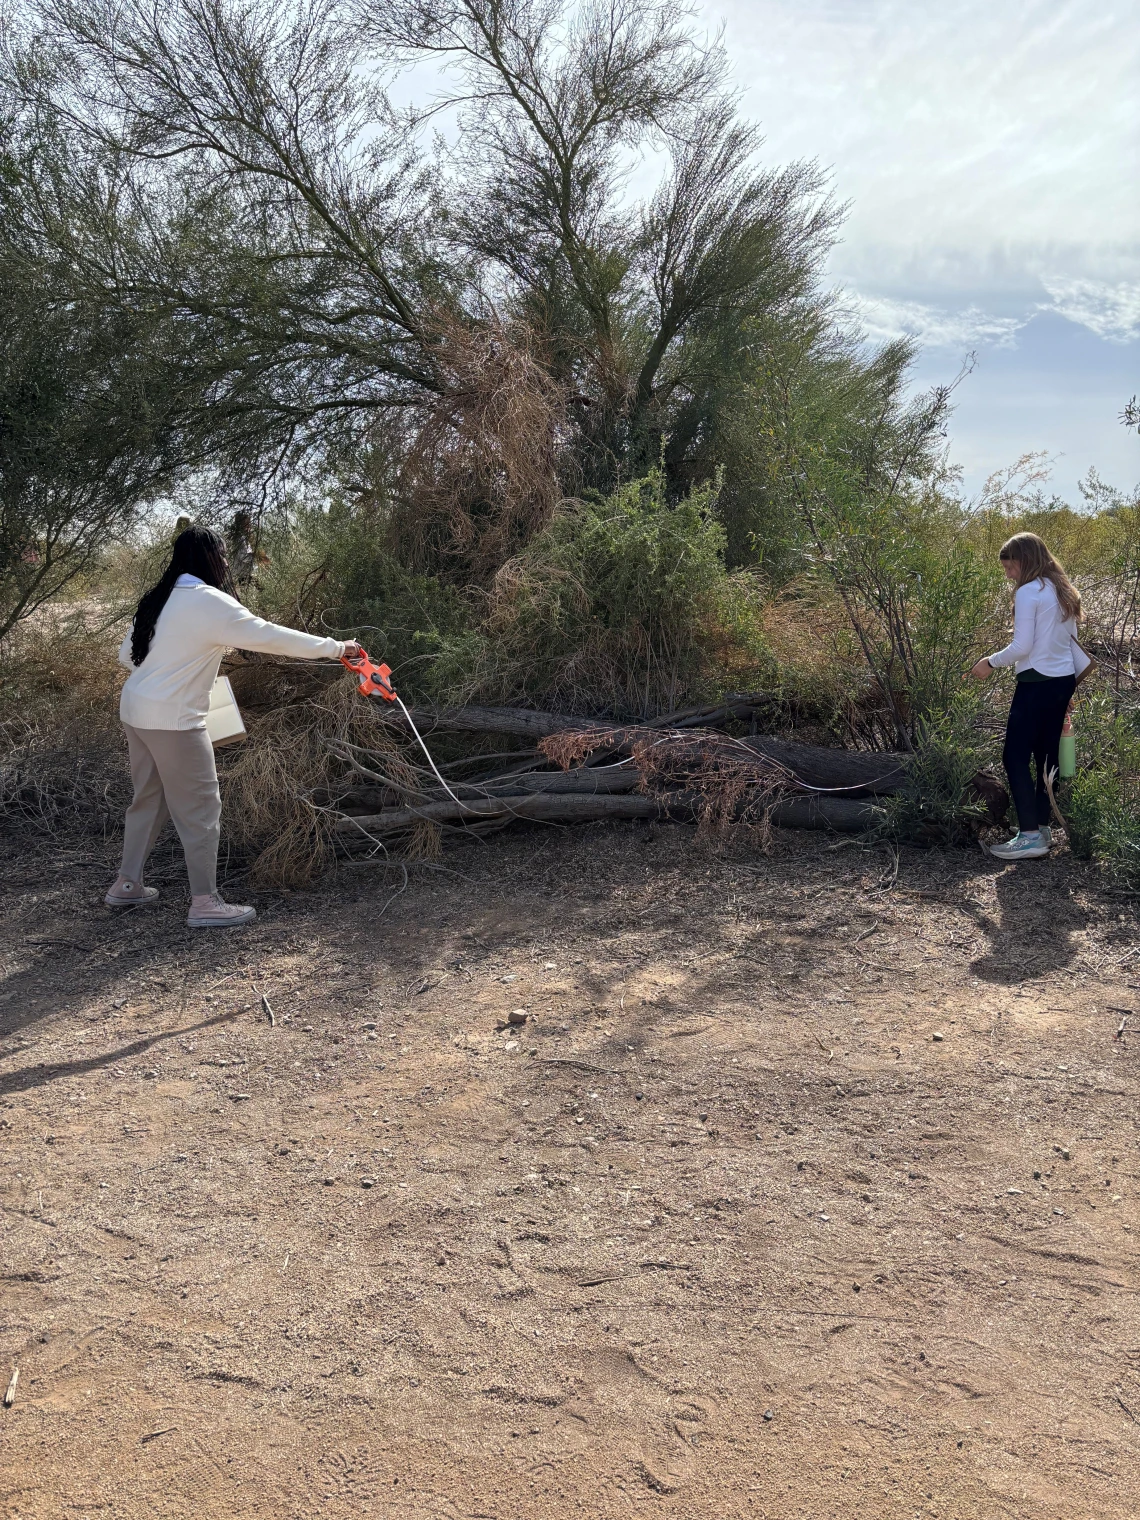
(223, 721)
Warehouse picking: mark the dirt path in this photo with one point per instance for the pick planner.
(722, 1231)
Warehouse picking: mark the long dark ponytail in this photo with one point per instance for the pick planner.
(197, 551)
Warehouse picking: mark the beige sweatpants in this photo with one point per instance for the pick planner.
(175, 777)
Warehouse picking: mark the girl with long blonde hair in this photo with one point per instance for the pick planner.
(1049, 663)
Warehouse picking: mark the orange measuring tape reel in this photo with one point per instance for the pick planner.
(373, 680)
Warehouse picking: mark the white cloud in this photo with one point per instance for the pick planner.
(990, 153)
(1110, 311)
(885, 318)
(978, 143)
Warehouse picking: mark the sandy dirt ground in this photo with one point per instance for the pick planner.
(792, 1198)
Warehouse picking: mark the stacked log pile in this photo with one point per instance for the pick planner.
(569, 770)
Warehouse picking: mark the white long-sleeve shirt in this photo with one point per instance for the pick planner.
(171, 688)
(1043, 640)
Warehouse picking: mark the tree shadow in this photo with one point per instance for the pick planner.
(28, 1077)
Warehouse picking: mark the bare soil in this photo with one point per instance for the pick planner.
(722, 1230)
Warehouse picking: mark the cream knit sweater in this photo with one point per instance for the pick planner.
(171, 688)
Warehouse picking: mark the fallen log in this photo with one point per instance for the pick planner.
(836, 813)
(841, 814)
(835, 770)
(536, 807)
(812, 765)
(674, 771)
(587, 782)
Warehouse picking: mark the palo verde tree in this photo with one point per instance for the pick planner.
(640, 307)
(90, 392)
(331, 286)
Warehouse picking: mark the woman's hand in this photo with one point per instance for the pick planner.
(352, 650)
(982, 670)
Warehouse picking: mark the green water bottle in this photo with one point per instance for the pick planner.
(1067, 752)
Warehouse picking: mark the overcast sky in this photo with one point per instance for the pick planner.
(990, 150)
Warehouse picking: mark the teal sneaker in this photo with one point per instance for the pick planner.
(1021, 848)
(1046, 836)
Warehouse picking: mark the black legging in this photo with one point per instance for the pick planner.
(1036, 718)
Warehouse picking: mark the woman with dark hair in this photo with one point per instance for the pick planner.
(181, 629)
(1049, 664)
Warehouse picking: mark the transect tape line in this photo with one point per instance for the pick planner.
(427, 752)
(376, 681)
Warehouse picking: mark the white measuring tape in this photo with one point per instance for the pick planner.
(427, 752)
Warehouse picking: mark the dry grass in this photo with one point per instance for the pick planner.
(823, 675)
(62, 754)
(282, 784)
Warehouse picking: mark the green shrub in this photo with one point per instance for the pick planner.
(1102, 804)
(622, 605)
(332, 569)
(939, 803)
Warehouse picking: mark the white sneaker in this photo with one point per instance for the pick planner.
(218, 914)
(1021, 848)
(1046, 836)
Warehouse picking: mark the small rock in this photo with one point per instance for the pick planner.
(517, 1016)
(855, 1288)
(638, 1097)
(182, 1156)
(1014, 1190)
(826, 1218)
(238, 1097)
(1037, 1176)
(1060, 1213)
(769, 1414)
(704, 1118)
(579, 1121)
(330, 1182)
(938, 1035)
(367, 1182)
(1065, 1155)
(511, 1045)
(371, 1024)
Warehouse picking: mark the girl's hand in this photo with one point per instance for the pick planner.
(982, 670)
